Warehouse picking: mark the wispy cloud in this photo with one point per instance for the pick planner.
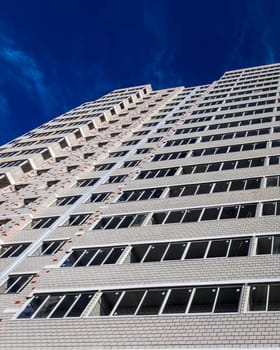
(160, 69)
(254, 44)
(29, 73)
(23, 68)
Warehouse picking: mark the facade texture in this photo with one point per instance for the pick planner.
(146, 219)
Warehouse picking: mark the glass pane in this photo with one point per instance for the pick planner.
(175, 251)
(274, 298)
(276, 245)
(257, 299)
(247, 211)
(204, 188)
(192, 215)
(269, 208)
(129, 303)
(156, 252)
(152, 302)
(32, 306)
(48, 306)
(244, 163)
(228, 299)
(107, 302)
(210, 214)
(63, 306)
(272, 181)
(177, 301)
(252, 184)
(229, 213)
(203, 300)
(220, 187)
(99, 257)
(80, 305)
(218, 249)
(86, 257)
(114, 256)
(239, 247)
(237, 185)
(264, 245)
(175, 217)
(196, 250)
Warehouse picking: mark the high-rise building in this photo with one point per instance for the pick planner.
(146, 219)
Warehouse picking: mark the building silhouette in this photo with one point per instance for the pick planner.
(146, 219)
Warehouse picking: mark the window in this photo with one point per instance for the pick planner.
(75, 220)
(49, 247)
(140, 133)
(43, 222)
(271, 208)
(131, 163)
(142, 150)
(93, 256)
(201, 214)
(214, 187)
(130, 143)
(103, 167)
(86, 182)
(99, 197)
(190, 130)
(273, 181)
(118, 154)
(57, 305)
(154, 139)
(137, 195)
(220, 166)
(115, 179)
(120, 221)
(190, 250)
(238, 211)
(178, 300)
(148, 174)
(169, 156)
(15, 283)
(67, 200)
(180, 142)
(12, 163)
(264, 297)
(210, 151)
(12, 250)
(268, 245)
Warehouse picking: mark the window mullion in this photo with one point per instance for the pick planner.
(141, 301)
(107, 255)
(117, 302)
(16, 249)
(165, 251)
(56, 306)
(267, 297)
(47, 248)
(73, 304)
(187, 245)
(94, 256)
(146, 253)
(39, 308)
(229, 246)
(80, 257)
(11, 286)
(193, 290)
(216, 298)
(164, 301)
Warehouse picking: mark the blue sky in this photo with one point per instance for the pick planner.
(57, 54)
